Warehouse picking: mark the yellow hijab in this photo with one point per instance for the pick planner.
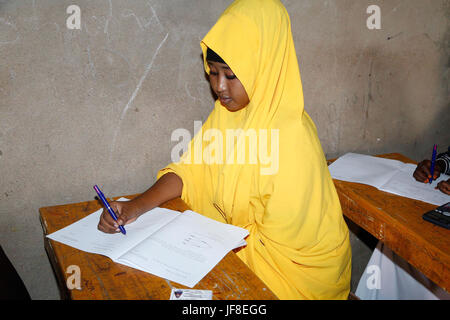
(298, 243)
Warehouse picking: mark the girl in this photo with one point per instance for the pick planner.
(298, 243)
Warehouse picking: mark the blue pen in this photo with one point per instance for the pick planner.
(433, 162)
(108, 207)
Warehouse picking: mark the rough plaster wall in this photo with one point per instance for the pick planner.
(375, 91)
(98, 105)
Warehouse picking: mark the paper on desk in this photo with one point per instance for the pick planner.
(187, 250)
(387, 175)
(404, 184)
(85, 236)
(181, 247)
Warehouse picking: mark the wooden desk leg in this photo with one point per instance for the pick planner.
(63, 291)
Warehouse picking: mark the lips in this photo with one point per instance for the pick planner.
(225, 100)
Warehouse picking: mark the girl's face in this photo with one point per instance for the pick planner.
(227, 87)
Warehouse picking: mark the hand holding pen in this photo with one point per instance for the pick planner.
(423, 172)
(125, 211)
(110, 211)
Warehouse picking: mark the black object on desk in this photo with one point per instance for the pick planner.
(439, 216)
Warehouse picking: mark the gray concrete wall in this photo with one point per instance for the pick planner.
(98, 105)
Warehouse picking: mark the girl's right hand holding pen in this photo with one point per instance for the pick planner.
(126, 211)
(168, 187)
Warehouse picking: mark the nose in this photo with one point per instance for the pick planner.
(221, 84)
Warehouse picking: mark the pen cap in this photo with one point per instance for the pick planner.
(102, 197)
(97, 189)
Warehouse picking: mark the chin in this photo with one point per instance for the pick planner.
(233, 108)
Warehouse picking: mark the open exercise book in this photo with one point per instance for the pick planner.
(387, 175)
(178, 246)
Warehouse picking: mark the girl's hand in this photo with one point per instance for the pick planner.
(126, 212)
(168, 187)
(444, 186)
(423, 174)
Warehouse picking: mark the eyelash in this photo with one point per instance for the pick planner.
(228, 77)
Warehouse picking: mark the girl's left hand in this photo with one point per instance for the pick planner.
(444, 186)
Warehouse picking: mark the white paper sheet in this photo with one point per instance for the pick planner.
(387, 175)
(85, 236)
(181, 247)
(187, 250)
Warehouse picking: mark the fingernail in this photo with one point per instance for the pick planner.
(116, 225)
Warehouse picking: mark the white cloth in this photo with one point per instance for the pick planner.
(389, 277)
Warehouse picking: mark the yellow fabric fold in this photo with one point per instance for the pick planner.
(298, 243)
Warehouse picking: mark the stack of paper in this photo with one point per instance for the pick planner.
(387, 175)
(179, 246)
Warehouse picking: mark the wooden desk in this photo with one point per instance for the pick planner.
(101, 278)
(397, 221)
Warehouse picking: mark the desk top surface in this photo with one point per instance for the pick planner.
(397, 221)
(103, 279)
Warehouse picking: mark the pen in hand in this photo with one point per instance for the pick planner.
(108, 207)
(433, 162)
